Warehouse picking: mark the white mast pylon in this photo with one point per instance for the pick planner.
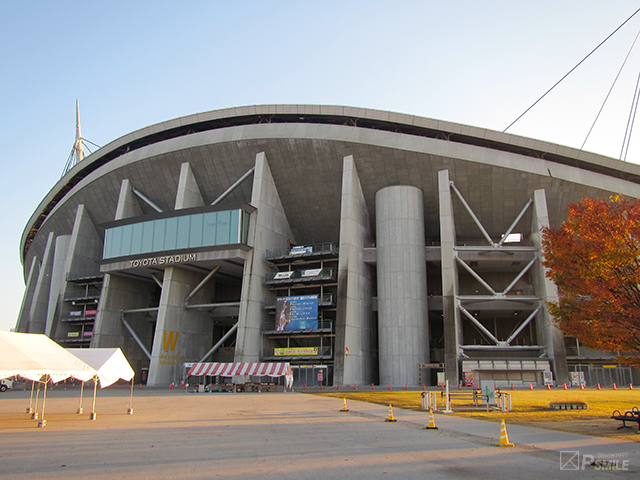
(78, 146)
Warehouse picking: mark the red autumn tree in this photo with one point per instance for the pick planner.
(593, 258)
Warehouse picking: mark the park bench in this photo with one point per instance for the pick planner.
(632, 415)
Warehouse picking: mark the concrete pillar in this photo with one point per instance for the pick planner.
(354, 325)
(188, 195)
(546, 329)
(40, 302)
(57, 284)
(403, 328)
(450, 312)
(29, 288)
(128, 205)
(181, 335)
(85, 247)
(268, 229)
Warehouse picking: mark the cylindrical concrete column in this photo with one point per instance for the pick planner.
(403, 326)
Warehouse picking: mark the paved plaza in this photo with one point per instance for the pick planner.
(177, 435)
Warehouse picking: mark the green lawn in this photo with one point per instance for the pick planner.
(530, 407)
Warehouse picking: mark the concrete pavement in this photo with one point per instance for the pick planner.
(175, 435)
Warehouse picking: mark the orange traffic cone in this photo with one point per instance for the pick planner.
(582, 386)
(390, 416)
(504, 437)
(355, 387)
(389, 386)
(631, 386)
(531, 386)
(338, 386)
(615, 387)
(565, 386)
(548, 386)
(432, 422)
(599, 387)
(373, 387)
(344, 405)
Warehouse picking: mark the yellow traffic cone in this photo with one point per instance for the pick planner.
(344, 405)
(390, 416)
(504, 437)
(432, 422)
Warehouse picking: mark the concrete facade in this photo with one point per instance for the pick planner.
(402, 222)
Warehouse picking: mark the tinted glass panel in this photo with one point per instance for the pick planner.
(222, 228)
(158, 235)
(136, 238)
(209, 229)
(147, 237)
(195, 236)
(188, 231)
(170, 233)
(184, 230)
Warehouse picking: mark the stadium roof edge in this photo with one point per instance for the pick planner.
(322, 114)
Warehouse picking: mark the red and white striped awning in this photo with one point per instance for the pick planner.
(214, 369)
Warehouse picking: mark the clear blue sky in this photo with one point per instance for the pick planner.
(135, 63)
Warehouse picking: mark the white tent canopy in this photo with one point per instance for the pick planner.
(110, 363)
(36, 357)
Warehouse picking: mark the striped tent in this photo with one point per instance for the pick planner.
(215, 369)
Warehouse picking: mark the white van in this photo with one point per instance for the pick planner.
(5, 384)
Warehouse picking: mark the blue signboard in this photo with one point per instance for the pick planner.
(297, 313)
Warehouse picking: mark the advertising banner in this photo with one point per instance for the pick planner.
(469, 380)
(311, 273)
(297, 313)
(301, 250)
(281, 275)
(295, 351)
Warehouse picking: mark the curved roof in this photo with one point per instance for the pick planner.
(277, 127)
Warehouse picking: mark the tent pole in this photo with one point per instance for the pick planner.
(30, 409)
(130, 411)
(80, 409)
(42, 422)
(34, 414)
(93, 408)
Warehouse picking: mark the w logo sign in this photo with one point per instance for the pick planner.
(169, 340)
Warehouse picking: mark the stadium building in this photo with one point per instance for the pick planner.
(360, 246)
